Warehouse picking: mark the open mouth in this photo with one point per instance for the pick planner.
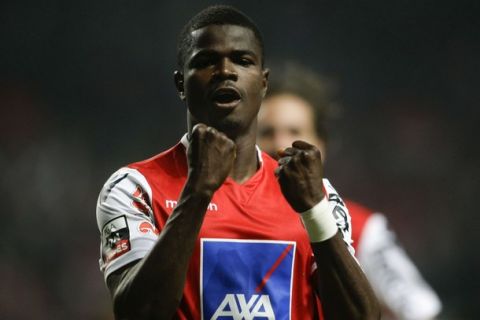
(226, 97)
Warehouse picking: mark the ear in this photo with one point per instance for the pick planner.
(266, 73)
(178, 79)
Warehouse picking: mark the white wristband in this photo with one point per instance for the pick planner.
(319, 222)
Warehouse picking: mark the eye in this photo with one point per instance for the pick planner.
(202, 62)
(245, 61)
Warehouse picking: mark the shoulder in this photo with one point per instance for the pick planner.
(123, 192)
(138, 178)
(169, 161)
(121, 179)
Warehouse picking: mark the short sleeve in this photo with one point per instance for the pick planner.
(396, 281)
(125, 220)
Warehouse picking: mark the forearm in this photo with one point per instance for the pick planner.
(343, 288)
(153, 287)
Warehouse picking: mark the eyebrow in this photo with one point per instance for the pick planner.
(236, 52)
(245, 52)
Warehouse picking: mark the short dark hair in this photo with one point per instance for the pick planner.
(214, 15)
(318, 91)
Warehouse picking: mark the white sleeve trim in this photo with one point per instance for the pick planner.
(396, 281)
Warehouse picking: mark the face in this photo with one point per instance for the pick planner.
(283, 119)
(223, 81)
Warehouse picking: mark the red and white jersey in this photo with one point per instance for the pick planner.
(252, 259)
(394, 278)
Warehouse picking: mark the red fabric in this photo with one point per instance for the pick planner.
(359, 215)
(255, 209)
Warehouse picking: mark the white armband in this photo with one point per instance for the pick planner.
(319, 222)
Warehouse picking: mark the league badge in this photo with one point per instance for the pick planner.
(115, 239)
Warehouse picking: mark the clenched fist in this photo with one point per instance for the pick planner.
(210, 158)
(300, 174)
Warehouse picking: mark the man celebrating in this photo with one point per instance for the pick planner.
(213, 228)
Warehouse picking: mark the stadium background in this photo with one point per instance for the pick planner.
(86, 87)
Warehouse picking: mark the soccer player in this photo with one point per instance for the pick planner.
(297, 107)
(215, 229)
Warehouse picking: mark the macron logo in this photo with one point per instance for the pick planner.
(171, 204)
(256, 307)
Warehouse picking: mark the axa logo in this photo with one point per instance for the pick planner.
(171, 204)
(237, 307)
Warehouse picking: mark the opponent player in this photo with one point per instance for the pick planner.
(212, 228)
(297, 107)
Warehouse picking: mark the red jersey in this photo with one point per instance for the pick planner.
(360, 216)
(252, 258)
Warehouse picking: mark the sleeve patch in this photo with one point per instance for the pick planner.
(115, 239)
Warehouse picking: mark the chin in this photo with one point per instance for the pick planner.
(230, 126)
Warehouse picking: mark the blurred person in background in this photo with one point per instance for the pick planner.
(297, 107)
(212, 228)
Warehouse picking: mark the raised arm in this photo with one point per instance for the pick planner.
(342, 287)
(151, 288)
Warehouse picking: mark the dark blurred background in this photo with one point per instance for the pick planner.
(86, 87)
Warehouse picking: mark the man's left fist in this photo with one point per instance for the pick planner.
(300, 174)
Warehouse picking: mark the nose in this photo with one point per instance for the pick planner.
(225, 69)
(282, 140)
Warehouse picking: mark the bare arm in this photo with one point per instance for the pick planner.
(343, 288)
(152, 288)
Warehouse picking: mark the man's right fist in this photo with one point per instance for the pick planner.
(210, 158)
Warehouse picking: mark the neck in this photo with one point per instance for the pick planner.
(246, 160)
